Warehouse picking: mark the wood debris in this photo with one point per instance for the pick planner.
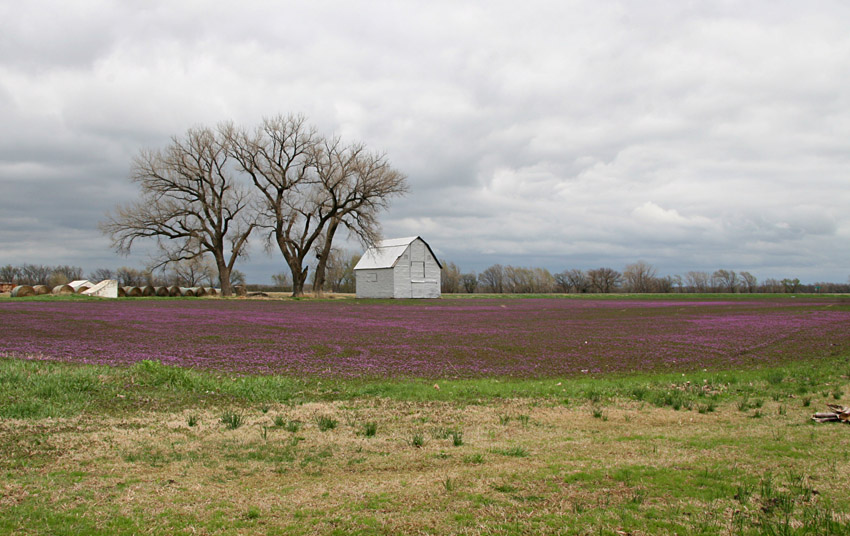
(836, 413)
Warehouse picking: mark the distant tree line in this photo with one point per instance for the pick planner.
(189, 273)
(638, 277)
(206, 193)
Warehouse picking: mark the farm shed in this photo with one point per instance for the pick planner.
(398, 268)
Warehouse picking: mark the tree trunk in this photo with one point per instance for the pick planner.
(321, 266)
(299, 277)
(224, 278)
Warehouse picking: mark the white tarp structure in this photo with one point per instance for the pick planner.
(80, 284)
(107, 288)
(398, 268)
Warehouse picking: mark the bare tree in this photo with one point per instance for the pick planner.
(578, 280)
(192, 203)
(34, 274)
(469, 282)
(749, 281)
(194, 272)
(771, 285)
(130, 277)
(101, 274)
(790, 285)
(639, 277)
(604, 279)
(356, 185)
(724, 281)
(280, 159)
(449, 277)
(9, 273)
(340, 271)
(493, 279)
(282, 280)
(63, 274)
(697, 281)
(677, 281)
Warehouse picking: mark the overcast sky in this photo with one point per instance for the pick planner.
(569, 134)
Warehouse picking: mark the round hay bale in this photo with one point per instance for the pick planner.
(63, 290)
(82, 288)
(41, 290)
(132, 292)
(23, 290)
(212, 292)
(240, 290)
(121, 292)
(174, 291)
(148, 290)
(187, 292)
(199, 291)
(160, 291)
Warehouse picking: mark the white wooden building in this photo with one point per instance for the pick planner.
(398, 268)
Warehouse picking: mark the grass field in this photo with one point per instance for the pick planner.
(146, 448)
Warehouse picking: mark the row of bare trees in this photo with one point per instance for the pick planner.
(209, 191)
(190, 273)
(638, 277)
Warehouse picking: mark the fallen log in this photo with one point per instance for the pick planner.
(836, 413)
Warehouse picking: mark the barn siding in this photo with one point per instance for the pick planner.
(401, 273)
(382, 288)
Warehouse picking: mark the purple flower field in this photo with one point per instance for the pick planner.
(433, 339)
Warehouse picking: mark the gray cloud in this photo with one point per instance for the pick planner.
(693, 136)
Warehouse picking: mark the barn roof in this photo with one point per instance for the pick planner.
(385, 253)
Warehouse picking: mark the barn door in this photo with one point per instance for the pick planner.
(417, 289)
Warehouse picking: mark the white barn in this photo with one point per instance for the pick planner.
(398, 268)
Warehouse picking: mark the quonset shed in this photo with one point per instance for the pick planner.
(398, 268)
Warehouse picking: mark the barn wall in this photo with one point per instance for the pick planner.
(432, 274)
(401, 276)
(429, 285)
(382, 287)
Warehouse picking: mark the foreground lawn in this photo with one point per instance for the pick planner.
(152, 449)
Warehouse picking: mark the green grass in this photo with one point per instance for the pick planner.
(97, 450)
(39, 389)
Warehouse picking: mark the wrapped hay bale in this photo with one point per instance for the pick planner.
(212, 292)
(132, 292)
(187, 292)
(174, 291)
(41, 290)
(22, 290)
(121, 292)
(148, 290)
(199, 291)
(160, 291)
(63, 290)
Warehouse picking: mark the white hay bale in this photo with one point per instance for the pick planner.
(63, 290)
(22, 291)
(132, 292)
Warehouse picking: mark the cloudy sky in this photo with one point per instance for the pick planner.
(570, 134)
